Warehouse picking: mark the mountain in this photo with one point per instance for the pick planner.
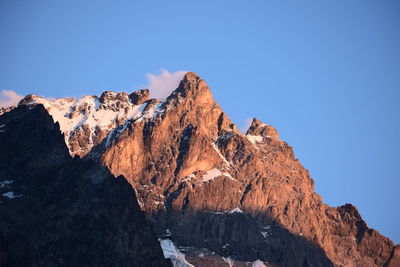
(85, 122)
(59, 211)
(215, 196)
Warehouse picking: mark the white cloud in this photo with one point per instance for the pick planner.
(246, 125)
(9, 98)
(162, 85)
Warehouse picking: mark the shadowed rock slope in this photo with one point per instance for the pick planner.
(59, 211)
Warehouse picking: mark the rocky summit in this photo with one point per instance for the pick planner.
(212, 195)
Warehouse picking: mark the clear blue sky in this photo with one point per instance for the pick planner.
(326, 74)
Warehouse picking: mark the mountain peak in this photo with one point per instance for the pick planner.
(139, 96)
(195, 173)
(87, 121)
(261, 129)
(28, 99)
(191, 76)
(192, 86)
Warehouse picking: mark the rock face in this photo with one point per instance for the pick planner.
(222, 195)
(59, 211)
(87, 121)
(139, 96)
(257, 128)
(5, 109)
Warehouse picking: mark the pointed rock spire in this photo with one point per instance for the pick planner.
(259, 128)
(139, 96)
(192, 86)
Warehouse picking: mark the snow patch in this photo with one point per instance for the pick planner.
(220, 154)
(235, 210)
(229, 261)
(11, 195)
(168, 232)
(73, 113)
(266, 230)
(264, 234)
(170, 251)
(214, 173)
(232, 211)
(254, 138)
(151, 113)
(5, 183)
(258, 263)
(131, 116)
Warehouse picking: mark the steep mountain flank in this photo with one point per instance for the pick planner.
(59, 211)
(223, 196)
(190, 161)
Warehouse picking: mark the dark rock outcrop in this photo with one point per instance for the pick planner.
(58, 211)
(139, 96)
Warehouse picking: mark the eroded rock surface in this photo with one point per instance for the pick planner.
(191, 166)
(91, 121)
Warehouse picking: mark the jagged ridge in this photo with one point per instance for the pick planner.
(186, 159)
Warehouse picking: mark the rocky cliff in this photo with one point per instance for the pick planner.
(224, 197)
(59, 211)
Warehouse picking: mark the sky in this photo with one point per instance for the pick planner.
(326, 74)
